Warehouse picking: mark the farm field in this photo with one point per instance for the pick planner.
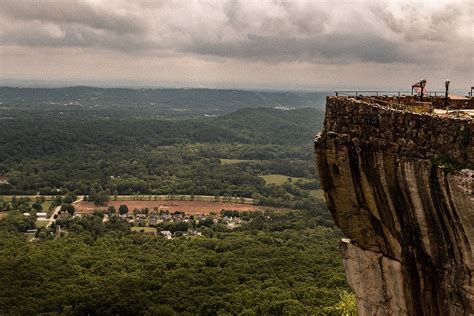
(234, 161)
(41, 224)
(143, 229)
(189, 207)
(8, 197)
(45, 204)
(279, 179)
(317, 193)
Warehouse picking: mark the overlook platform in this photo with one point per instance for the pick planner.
(457, 105)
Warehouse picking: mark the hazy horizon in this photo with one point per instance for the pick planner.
(43, 84)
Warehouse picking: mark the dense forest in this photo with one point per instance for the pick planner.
(284, 266)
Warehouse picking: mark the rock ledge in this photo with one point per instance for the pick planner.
(400, 185)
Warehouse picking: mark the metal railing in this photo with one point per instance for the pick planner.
(371, 92)
(418, 107)
(384, 93)
(392, 99)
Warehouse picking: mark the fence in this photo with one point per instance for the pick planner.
(384, 93)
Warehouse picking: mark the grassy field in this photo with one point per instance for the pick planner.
(8, 198)
(318, 193)
(234, 161)
(46, 203)
(279, 179)
(30, 236)
(144, 229)
(41, 224)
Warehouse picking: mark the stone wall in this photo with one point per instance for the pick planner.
(420, 135)
(410, 222)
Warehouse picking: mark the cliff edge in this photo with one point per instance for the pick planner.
(400, 185)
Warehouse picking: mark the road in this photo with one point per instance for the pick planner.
(52, 219)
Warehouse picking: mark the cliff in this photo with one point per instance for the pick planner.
(400, 185)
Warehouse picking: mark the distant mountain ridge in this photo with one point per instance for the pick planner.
(158, 103)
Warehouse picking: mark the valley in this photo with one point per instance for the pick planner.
(187, 213)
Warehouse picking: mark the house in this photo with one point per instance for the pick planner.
(178, 215)
(140, 220)
(166, 217)
(194, 232)
(180, 233)
(164, 209)
(3, 180)
(166, 233)
(153, 221)
(41, 216)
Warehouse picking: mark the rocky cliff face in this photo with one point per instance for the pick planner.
(399, 185)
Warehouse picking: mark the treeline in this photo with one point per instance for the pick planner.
(283, 265)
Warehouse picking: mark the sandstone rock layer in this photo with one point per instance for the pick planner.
(400, 185)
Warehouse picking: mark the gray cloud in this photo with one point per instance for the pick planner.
(431, 35)
(74, 12)
(273, 31)
(35, 34)
(327, 48)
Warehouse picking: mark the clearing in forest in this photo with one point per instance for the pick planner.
(280, 179)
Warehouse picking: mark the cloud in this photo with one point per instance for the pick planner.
(94, 15)
(324, 48)
(429, 34)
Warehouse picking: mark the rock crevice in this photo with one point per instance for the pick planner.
(400, 185)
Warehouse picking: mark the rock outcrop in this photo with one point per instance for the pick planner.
(400, 185)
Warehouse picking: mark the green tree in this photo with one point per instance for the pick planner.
(68, 198)
(111, 210)
(123, 209)
(58, 199)
(69, 208)
(37, 207)
(16, 222)
(160, 310)
(181, 226)
(91, 194)
(101, 198)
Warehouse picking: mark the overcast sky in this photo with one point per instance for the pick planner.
(275, 44)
